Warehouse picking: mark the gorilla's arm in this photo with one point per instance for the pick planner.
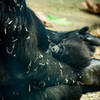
(56, 37)
(47, 71)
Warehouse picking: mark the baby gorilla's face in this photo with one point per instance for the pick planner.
(74, 52)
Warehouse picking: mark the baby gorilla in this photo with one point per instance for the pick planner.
(75, 50)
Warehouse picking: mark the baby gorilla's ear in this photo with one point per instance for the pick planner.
(91, 74)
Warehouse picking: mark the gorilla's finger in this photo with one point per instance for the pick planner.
(84, 30)
(92, 40)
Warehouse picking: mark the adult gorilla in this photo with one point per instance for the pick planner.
(24, 64)
(23, 60)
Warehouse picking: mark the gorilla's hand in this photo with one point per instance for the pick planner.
(91, 41)
(91, 74)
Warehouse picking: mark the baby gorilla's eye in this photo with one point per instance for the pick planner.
(55, 49)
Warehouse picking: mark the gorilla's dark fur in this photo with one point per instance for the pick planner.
(27, 71)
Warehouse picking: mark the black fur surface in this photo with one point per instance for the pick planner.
(27, 72)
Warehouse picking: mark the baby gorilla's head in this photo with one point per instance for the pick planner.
(73, 52)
